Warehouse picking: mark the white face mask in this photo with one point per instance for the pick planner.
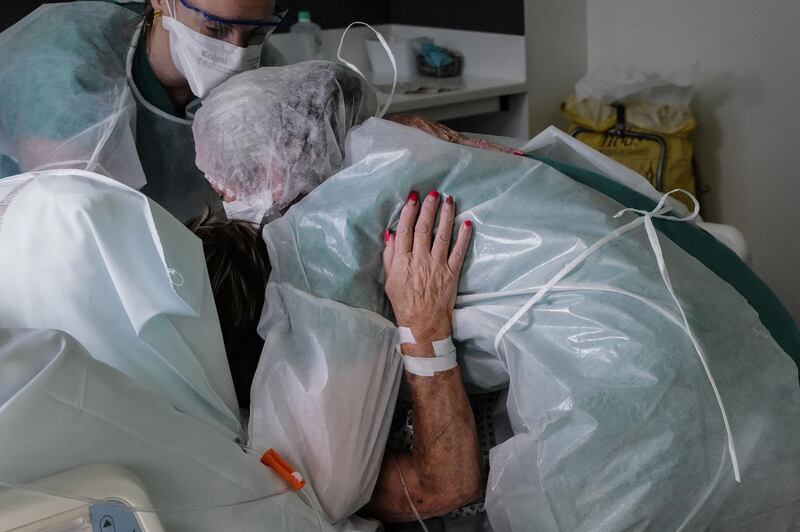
(206, 62)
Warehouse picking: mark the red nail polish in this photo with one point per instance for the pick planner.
(519, 152)
(434, 194)
(387, 235)
(413, 197)
(449, 200)
(468, 223)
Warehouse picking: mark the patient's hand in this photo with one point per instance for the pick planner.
(445, 133)
(421, 272)
(444, 470)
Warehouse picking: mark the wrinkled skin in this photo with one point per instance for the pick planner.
(443, 132)
(444, 469)
(421, 271)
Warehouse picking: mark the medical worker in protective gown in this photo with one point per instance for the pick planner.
(110, 87)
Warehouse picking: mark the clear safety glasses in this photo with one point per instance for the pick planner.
(239, 32)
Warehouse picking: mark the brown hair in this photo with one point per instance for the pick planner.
(238, 268)
(146, 19)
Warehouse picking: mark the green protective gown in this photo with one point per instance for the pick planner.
(82, 95)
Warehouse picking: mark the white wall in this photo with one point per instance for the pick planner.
(748, 108)
(555, 38)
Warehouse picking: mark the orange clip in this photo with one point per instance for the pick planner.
(273, 460)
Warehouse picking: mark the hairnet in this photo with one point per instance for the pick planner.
(269, 135)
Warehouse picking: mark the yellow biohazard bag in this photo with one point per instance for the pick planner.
(596, 124)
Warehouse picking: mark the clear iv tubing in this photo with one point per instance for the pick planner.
(408, 495)
(139, 509)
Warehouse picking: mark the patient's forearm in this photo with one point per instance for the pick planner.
(446, 447)
(445, 469)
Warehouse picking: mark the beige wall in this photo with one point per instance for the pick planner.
(747, 104)
(555, 38)
(748, 107)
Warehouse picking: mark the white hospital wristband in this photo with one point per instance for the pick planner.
(444, 360)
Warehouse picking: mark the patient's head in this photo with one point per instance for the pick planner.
(238, 267)
(268, 135)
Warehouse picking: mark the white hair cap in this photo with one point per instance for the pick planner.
(266, 136)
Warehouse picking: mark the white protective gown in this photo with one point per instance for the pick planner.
(634, 372)
(87, 255)
(61, 409)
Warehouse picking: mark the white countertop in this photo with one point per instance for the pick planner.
(474, 88)
(494, 68)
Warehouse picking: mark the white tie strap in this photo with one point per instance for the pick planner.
(354, 68)
(646, 219)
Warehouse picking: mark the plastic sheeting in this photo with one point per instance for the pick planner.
(89, 256)
(324, 393)
(61, 409)
(611, 85)
(616, 425)
(552, 143)
(267, 136)
(555, 145)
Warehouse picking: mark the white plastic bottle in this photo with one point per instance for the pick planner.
(308, 37)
